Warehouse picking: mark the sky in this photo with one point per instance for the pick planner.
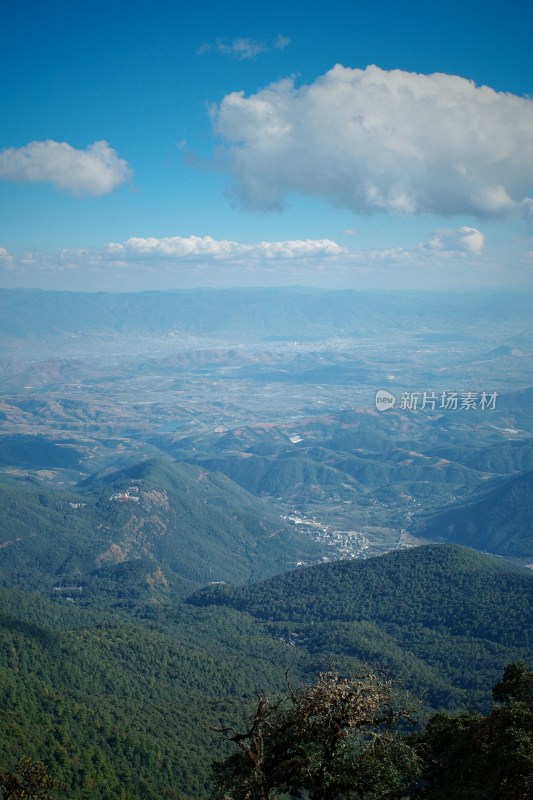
(168, 145)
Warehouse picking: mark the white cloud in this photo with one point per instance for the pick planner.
(207, 248)
(374, 140)
(245, 49)
(6, 259)
(451, 258)
(281, 42)
(96, 170)
(465, 239)
(183, 256)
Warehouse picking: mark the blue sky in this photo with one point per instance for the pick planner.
(161, 145)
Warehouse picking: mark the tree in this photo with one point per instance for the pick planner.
(31, 782)
(334, 739)
(475, 757)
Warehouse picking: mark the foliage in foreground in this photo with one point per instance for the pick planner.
(30, 781)
(335, 739)
(341, 740)
(476, 757)
(125, 705)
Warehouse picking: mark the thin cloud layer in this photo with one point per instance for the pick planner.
(464, 243)
(464, 239)
(245, 49)
(6, 259)
(375, 140)
(189, 261)
(205, 247)
(96, 170)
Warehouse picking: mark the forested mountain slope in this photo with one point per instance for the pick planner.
(441, 615)
(120, 707)
(497, 518)
(120, 698)
(158, 527)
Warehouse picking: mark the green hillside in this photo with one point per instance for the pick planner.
(294, 475)
(442, 617)
(498, 518)
(302, 473)
(124, 708)
(158, 527)
(499, 458)
(122, 703)
(36, 452)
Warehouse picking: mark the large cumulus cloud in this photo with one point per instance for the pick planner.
(375, 140)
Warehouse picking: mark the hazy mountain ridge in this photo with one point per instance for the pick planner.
(382, 469)
(394, 466)
(292, 473)
(497, 518)
(36, 452)
(260, 312)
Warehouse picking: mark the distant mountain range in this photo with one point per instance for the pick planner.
(366, 460)
(304, 471)
(251, 313)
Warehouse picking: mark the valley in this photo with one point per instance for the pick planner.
(279, 395)
(198, 494)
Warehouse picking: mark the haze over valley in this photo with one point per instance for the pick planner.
(276, 390)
